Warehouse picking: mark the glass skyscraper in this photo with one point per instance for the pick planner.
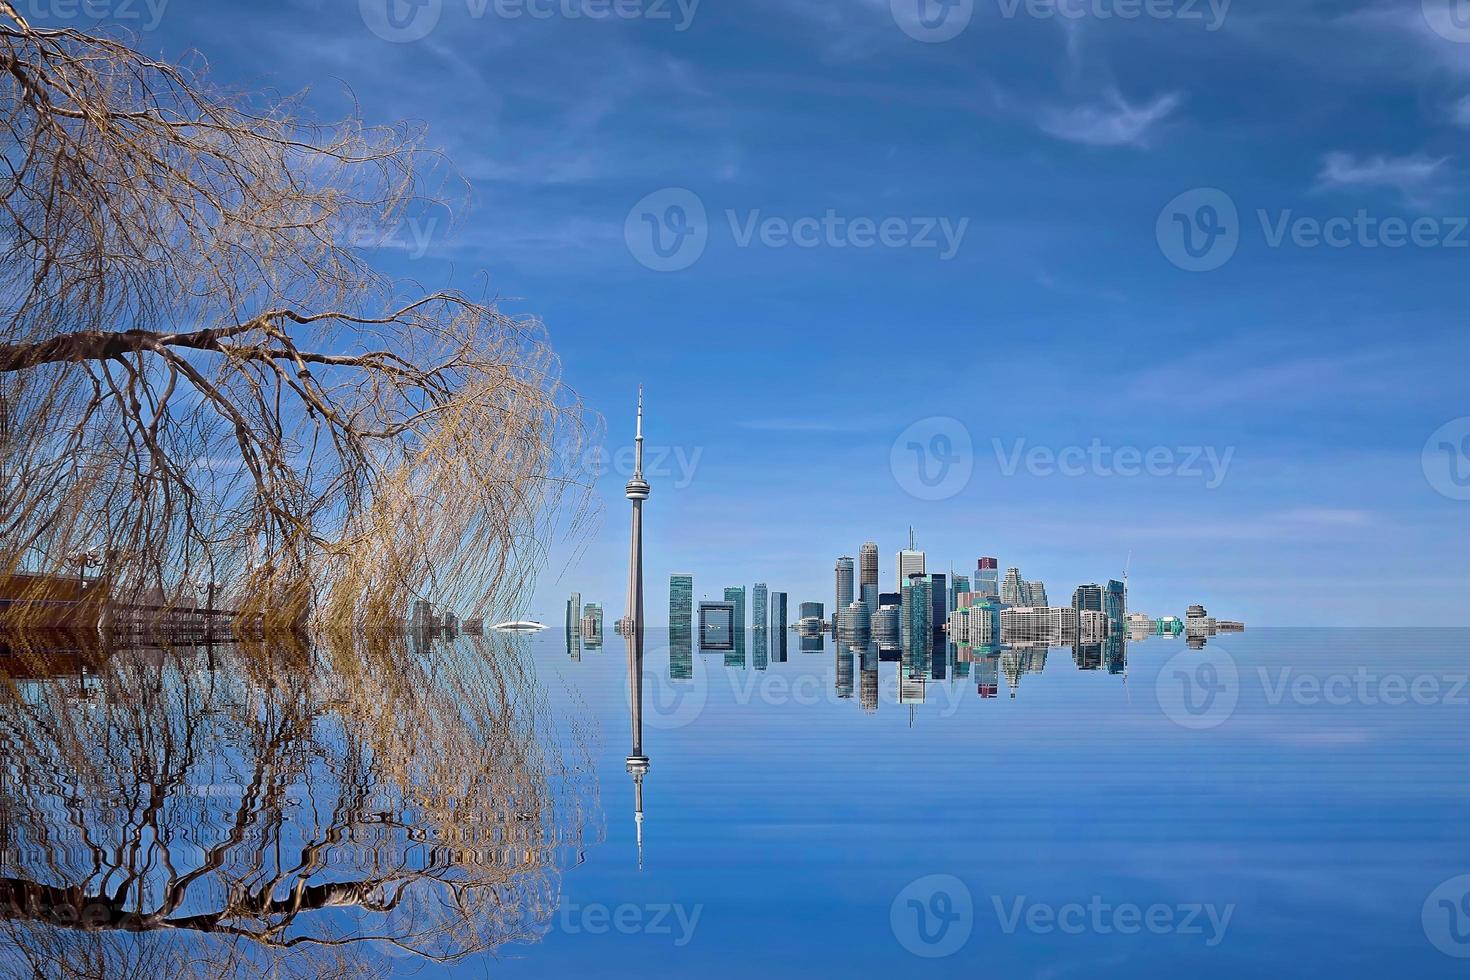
(868, 567)
(760, 617)
(681, 614)
(987, 577)
(1013, 589)
(778, 626)
(845, 571)
(736, 596)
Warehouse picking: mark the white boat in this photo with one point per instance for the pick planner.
(520, 626)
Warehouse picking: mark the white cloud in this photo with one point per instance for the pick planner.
(1114, 122)
(1416, 177)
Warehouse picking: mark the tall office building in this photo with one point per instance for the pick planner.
(958, 586)
(574, 614)
(868, 596)
(1088, 597)
(987, 577)
(868, 566)
(736, 597)
(812, 616)
(845, 572)
(1013, 589)
(592, 624)
(938, 604)
(1115, 604)
(760, 620)
(918, 612)
(910, 563)
(857, 625)
(681, 613)
(779, 616)
(1035, 593)
(886, 632)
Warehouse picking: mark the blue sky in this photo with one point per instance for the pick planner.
(1055, 149)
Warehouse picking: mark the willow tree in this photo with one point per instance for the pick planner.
(203, 375)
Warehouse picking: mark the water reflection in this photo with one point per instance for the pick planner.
(233, 810)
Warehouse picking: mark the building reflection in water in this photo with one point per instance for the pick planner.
(277, 808)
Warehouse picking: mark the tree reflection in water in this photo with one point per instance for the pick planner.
(276, 809)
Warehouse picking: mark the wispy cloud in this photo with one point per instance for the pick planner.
(1113, 122)
(1417, 178)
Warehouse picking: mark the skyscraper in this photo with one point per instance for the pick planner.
(1035, 593)
(1088, 597)
(574, 614)
(868, 567)
(760, 617)
(987, 577)
(844, 583)
(778, 626)
(938, 604)
(910, 562)
(1115, 604)
(1013, 589)
(736, 596)
(681, 614)
(958, 586)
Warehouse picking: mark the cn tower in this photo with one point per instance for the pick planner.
(637, 762)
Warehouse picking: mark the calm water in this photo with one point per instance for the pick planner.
(1283, 800)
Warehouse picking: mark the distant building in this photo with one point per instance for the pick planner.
(1088, 597)
(987, 577)
(717, 625)
(681, 613)
(574, 614)
(856, 627)
(736, 596)
(760, 621)
(868, 567)
(845, 572)
(886, 631)
(1115, 604)
(592, 624)
(910, 563)
(957, 587)
(1055, 626)
(1093, 625)
(1036, 594)
(1013, 589)
(779, 617)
